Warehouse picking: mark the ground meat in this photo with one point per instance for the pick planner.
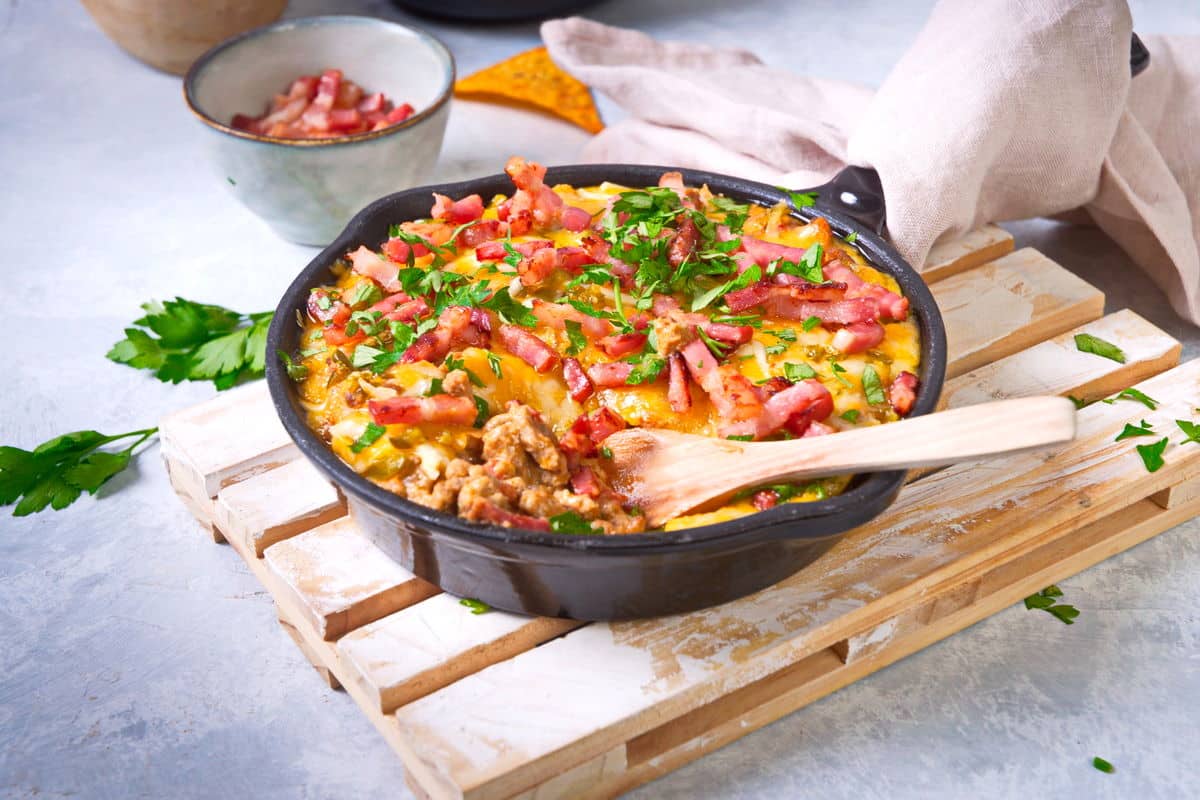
(517, 444)
(440, 492)
(671, 334)
(457, 383)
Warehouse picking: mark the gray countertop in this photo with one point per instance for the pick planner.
(137, 659)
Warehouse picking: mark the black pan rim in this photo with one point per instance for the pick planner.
(867, 490)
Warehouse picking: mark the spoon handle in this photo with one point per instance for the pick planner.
(947, 437)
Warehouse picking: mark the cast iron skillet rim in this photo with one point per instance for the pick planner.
(868, 490)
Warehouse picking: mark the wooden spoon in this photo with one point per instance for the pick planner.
(667, 473)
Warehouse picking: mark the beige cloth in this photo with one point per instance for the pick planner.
(998, 111)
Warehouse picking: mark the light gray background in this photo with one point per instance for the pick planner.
(137, 659)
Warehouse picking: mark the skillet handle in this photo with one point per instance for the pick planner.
(857, 192)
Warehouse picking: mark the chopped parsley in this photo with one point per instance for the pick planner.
(58, 471)
(811, 323)
(369, 436)
(1086, 343)
(454, 362)
(1152, 454)
(799, 199)
(1102, 765)
(482, 411)
(1135, 395)
(741, 437)
(509, 310)
(850, 415)
(839, 372)
(571, 523)
(1047, 600)
(494, 363)
(365, 355)
(295, 370)
(1190, 429)
(718, 349)
(646, 369)
(1078, 403)
(852, 238)
(779, 348)
(476, 606)
(1134, 430)
(576, 338)
(366, 294)
(798, 372)
(872, 387)
(786, 334)
(605, 451)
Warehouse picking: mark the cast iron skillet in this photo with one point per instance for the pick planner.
(610, 577)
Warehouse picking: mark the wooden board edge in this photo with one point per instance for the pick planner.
(983, 244)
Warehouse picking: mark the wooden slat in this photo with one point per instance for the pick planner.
(970, 250)
(327, 675)
(1181, 494)
(1008, 304)
(251, 440)
(275, 505)
(621, 680)
(339, 580)
(429, 645)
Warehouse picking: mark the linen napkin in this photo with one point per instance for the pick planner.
(998, 111)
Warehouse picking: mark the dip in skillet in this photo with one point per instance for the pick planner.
(476, 362)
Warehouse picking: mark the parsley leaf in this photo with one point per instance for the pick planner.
(366, 294)
(295, 370)
(850, 415)
(494, 362)
(1134, 430)
(786, 334)
(369, 436)
(570, 522)
(1045, 600)
(1190, 429)
(482, 411)
(872, 387)
(852, 238)
(195, 342)
(454, 362)
(838, 371)
(646, 370)
(509, 310)
(741, 437)
(798, 372)
(476, 606)
(1152, 454)
(575, 336)
(1102, 765)
(1086, 343)
(799, 199)
(58, 471)
(811, 323)
(1135, 395)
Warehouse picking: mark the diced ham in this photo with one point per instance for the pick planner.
(533, 200)
(585, 482)
(401, 307)
(303, 88)
(457, 326)
(688, 195)
(335, 312)
(321, 107)
(336, 336)
(610, 374)
(890, 305)
(484, 230)
(398, 250)
(445, 409)
(579, 385)
(684, 242)
(327, 89)
(348, 96)
(527, 347)
(555, 315)
(858, 337)
(903, 393)
(765, 498)
(796, 407)
(494, 251)
(372, 103)
(622, 344)
(369, 264)
(728, 334)
(575, 219)
(731, 393)
(487, 511)
(534, 269)
(590, 430)
(573, 259)
(399, 114)
(679, 395)
(457, 212)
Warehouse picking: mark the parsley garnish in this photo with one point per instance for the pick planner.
(482, 412)
(295, 370)
(798, 372)
(476, 606)
(494, 362)
(365, 355)
(872, 386)
(1046, 600)
(779, 348)
(1190, 429)
(453, 362)
(570, 522)
(811, 323)
(852, 238)
(799, 199)
(195, 342)
(1133, 430)
(1102, 765)
(838, 371)
(509, 310)
(850, 415)
(735, 212)
(741, 437)
(369, 436)
(58, 471)
(575, 336)
(1078, 403)
(1152, 454)
(717, 348)
(786, 334)
(646, 369)
(1132, 394)
(366, 294)
(751, 275)
(1086, 343)
(605, 451)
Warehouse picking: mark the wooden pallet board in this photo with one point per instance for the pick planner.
(474, 704)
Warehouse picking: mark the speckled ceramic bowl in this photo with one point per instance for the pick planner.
(308, 189)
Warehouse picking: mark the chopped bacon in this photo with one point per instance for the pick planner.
(494, 251)
(327, 89)
(319, 107)
(527, 347)
(688, 195)
(678, 393)
(771, 386)
(484, 230)
(401, 307)
(487, 511)
(555, 315)
(573, 259)
(398, 114)
(684, 242)
(579, 385)
(663, 304)
(753, 295)
(575, 219)
(457, 212)
(398, 250)
(599, 250)
(796, 407)
(610, 374)
(889, 305)
(532, 198)
(534, 269)
(335, 312)
(590, 430)
(764, 252)
(818, 429)
(732, 394)
(372, 103)
(369, 264)
(728, 334)
(584, 481)
(903, 393)
(457, 326)
(765, 498)
(829, 290)
(435, 231)
(344, 120)
(858, 336)
(622, 344)
(336, 336)
(446, 409)
(783, 302)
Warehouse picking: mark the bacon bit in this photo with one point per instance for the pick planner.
(678, 393)
(446, 409)
(573, 259)
(397, 250)
(889, 305)
(435, 231)
(457, 212)
(336, 336)
(743, 299)
(372, 103)
(771, 386)
(688, 195)
(585, 482)
(829, 290)
(684, 242)
(555, 315)
(604, 422)
(494, 251)
(536, 268)
(622, 344)
(457, 327)
(818, 429)
(903, 393)
(578, 383)
(664, 304)
(397, 114)
(335, 313)
(858, 336)
(765, 498)
(732, 394)
(529, 348)
(344, 120)
(369, 264)
(782, 303)
(319, 107)
(796, 407)
(611, 374)
(532, 197)
(764, 253)
(487, 511)
(599, 250)
(483, 230)
(575, 219)
(401, 307)
(733, 335)
(588, 431)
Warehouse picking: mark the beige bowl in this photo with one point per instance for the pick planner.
(171, 34)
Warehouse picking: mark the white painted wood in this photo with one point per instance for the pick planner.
(976, 247)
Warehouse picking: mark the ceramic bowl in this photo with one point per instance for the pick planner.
(308, 189)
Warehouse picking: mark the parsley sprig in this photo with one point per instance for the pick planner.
(183, 340)
(1047, 600)
(57, 472)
